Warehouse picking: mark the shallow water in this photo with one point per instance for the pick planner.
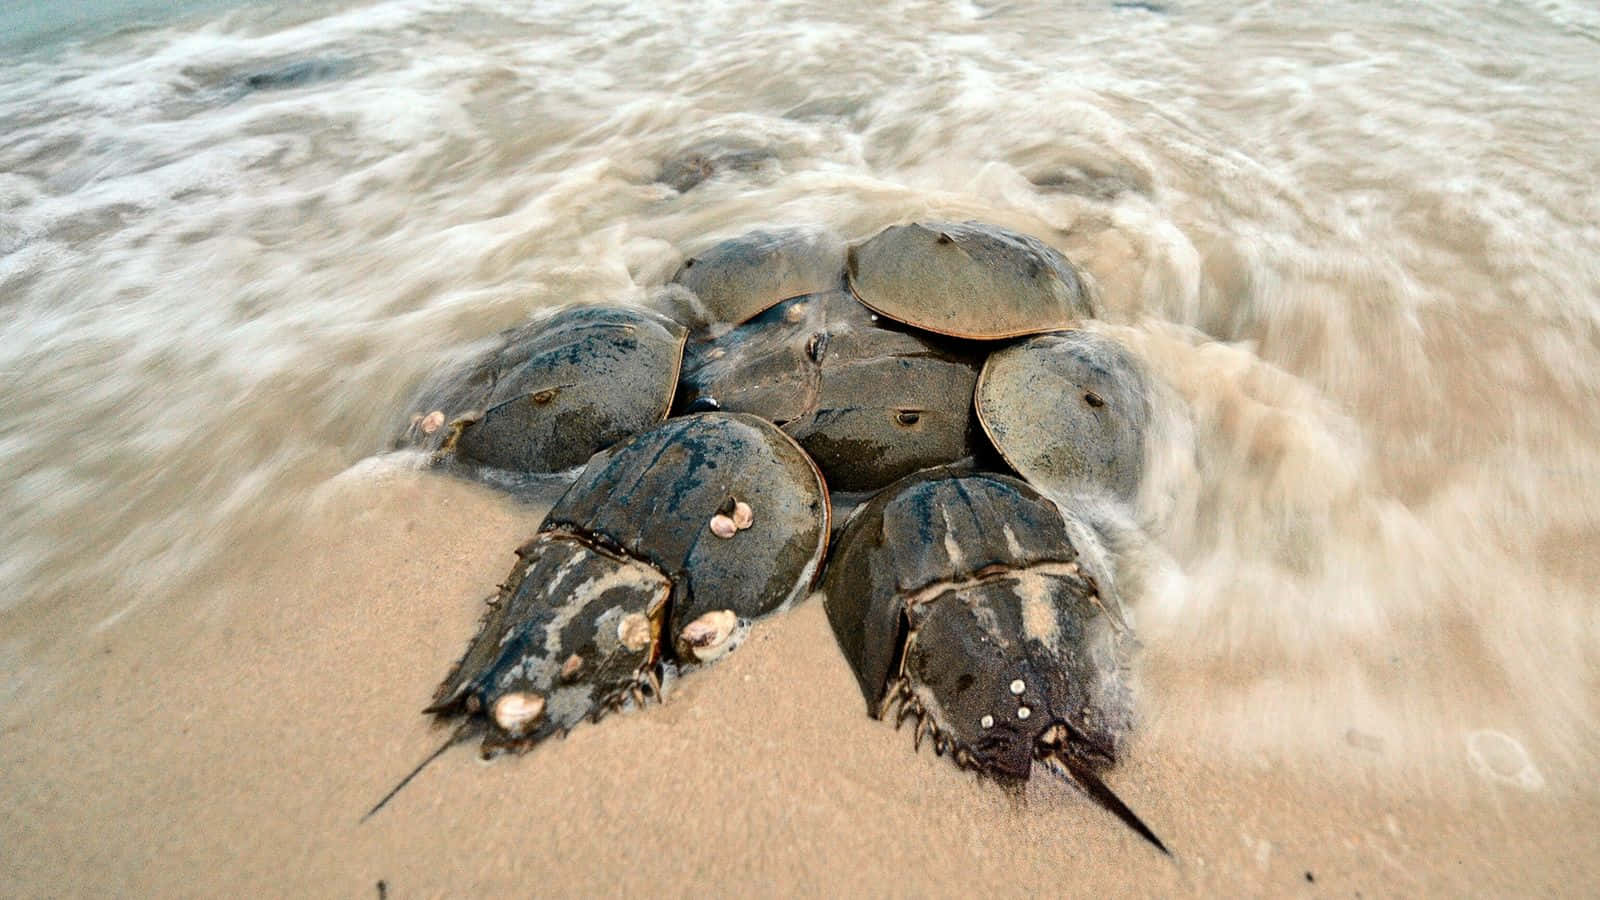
(1359, 247)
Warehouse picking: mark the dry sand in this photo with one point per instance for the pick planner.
(230, 741)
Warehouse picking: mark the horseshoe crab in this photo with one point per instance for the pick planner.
(655, 560)
(891, 373)
(687, 169)
(968, 280)
(552, 393)
(739, 278)
(959, 599)
(869, 402)
(1091, 389)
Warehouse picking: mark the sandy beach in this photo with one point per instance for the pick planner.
(1354, 245)
(236, 751)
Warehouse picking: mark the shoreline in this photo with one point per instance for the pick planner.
(242, 756)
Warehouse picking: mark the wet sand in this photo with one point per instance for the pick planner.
(230, 741)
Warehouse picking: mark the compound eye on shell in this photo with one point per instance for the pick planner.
(907, 417)
(1093, 399)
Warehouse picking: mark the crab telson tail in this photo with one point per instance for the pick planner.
(1087, 779)
(463, 733)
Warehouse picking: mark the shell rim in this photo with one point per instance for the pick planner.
(1076, 322)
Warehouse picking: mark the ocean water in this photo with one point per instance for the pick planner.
(32, 27)
(1359, 246)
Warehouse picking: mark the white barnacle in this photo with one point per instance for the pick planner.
(432, 421)
(1017, 687)
(723, 526)
(1023, 712)
(708, 637)
(634, 631)
(569, 669)
(517, 712)
(987, 721)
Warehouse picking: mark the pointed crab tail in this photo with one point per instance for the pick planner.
(465, 732)
(1086, 778)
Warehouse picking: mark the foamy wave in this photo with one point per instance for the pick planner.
(1371, 281)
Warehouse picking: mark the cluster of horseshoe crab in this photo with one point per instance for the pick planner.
(884, 422)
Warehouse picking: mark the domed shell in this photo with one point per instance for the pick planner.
(555, 391)
(686, 169)
(1068, 412)
(656, 497)
(869, 399)
(968, 280)
(662, 545)
(959, 599)
(987, 562)
(742, 277)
